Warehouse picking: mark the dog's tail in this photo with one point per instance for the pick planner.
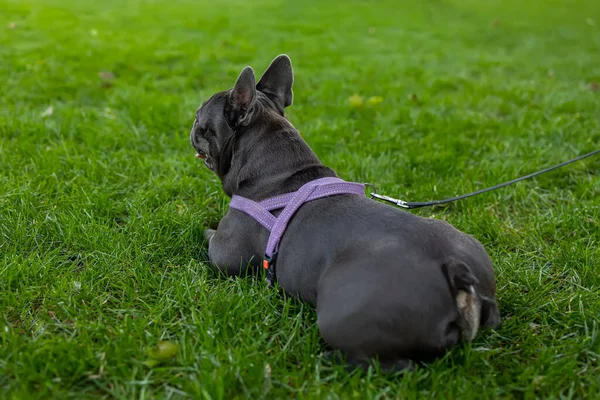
(474, 309)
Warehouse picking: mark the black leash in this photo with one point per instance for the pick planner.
(417, 204)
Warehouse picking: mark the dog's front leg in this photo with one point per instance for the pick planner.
(227, 252)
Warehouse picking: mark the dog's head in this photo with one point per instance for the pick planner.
(231, 112)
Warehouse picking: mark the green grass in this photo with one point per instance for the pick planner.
(102, 203)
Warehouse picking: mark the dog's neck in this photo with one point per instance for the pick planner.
(271, 158)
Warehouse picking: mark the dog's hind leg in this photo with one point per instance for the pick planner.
(463, 285)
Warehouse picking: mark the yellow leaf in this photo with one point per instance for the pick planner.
(375, 100)
(164, 351)
(356, 101)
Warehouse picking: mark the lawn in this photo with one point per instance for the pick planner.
(102, 203)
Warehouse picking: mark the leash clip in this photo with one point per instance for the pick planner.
(399, 203)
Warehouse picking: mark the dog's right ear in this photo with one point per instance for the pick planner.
(242, 99)
(277, 82)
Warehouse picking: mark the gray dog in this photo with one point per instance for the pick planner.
(386, 284)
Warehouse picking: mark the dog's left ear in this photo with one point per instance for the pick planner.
(242, 99)
(277, 82)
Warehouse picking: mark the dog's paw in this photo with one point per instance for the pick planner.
(208, 234)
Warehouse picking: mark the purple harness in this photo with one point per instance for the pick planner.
(291, 202)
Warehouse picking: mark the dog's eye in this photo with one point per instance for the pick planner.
(199, 130)
(206, 131)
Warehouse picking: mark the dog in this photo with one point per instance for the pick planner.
(387, 285)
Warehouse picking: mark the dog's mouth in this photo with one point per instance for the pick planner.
(206, 158)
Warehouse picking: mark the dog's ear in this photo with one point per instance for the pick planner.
(242, 98)
(277, 82)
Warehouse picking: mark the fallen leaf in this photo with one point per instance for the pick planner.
(107, 79)
(47, 112)
(375, 100)
(356, 101)
(12, 25)
(594, 86)
(107, 75)
(164, 351)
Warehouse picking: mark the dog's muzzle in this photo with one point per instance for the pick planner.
(206, 158)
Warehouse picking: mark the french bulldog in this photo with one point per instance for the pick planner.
(387, 285)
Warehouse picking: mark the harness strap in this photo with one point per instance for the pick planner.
(282, 220)
(331, 187)
(290, 203)
(253, 209)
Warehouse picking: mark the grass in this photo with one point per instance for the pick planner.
(102, 203)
